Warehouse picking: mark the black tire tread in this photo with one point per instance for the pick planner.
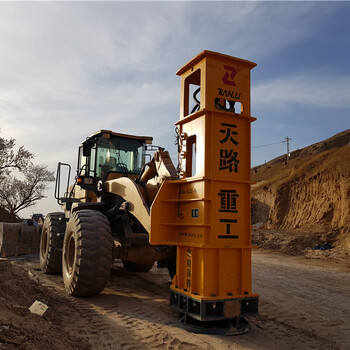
(94, 246)
(55, 224)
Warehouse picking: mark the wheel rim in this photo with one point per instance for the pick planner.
(44, 246)
(70, 256)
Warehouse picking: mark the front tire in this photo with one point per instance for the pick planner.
(51, 243)
(87, 253)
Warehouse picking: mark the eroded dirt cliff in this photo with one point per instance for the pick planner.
(310, 193)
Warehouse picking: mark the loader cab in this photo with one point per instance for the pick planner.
(107, 155)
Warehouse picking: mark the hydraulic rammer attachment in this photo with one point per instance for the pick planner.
(206, 213)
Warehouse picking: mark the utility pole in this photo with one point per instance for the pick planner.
(287, 141)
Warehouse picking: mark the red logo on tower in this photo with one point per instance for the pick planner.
(229, 75)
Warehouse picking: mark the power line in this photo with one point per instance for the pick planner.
(269, 144)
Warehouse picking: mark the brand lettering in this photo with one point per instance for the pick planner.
(228, 93)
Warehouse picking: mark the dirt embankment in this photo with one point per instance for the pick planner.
(307, 198)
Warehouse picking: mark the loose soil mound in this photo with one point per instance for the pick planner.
(21, 329)
(310, 193)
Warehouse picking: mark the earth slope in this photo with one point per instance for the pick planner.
(306, 198)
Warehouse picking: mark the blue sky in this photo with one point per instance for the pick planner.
(68, 69)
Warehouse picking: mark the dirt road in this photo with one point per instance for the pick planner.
(303, 305)
(308, 300)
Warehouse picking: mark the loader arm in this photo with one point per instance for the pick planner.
(130, 192)
(140, 194)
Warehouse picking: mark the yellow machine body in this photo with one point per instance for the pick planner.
(206, 213)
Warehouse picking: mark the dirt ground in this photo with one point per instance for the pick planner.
(304, 304)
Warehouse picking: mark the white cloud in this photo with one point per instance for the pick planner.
(322, 90)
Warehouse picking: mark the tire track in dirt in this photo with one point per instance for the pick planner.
(309, 300)
(84, 319)
(133, 312)
(143, 308)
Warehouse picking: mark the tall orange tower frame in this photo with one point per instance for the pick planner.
(207, 212)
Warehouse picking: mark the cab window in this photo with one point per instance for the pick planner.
(118, 154)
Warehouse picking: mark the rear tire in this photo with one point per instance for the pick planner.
(134, 267)
(51, 243)
(87, 253)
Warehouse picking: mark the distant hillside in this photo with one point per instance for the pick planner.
(312, 189)
(337, 141)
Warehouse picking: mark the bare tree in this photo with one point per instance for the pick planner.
(10, 159)
(17, 194)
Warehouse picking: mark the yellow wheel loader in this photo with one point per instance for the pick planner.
(195, 221)
(106, 213)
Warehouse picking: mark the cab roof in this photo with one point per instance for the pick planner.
(147, 139)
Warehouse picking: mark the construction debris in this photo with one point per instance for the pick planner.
(322, 246)
(38, 308)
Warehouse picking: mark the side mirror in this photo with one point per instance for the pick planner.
(87, 149)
